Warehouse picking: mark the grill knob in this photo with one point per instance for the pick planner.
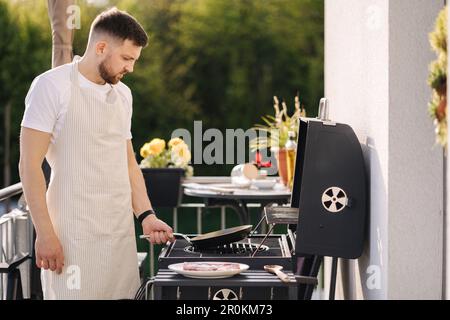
(334, 199)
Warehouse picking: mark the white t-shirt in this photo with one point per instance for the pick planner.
(48, 98)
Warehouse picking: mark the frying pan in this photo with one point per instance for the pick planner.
(216, 238)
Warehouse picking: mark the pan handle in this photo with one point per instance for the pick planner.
(175, 234)
(180, 235)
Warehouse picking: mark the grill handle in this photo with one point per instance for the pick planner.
(324, 109)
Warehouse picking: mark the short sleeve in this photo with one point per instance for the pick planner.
(41, 106)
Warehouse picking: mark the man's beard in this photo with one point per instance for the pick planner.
(107, 75)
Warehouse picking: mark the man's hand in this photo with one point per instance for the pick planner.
(49, 253)
(159, 232)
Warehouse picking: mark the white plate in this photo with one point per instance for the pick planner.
(264, 183)
(178, 268)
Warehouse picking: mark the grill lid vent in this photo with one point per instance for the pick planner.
(334, 199)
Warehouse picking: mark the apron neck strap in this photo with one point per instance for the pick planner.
(74, 73)
(74, 76)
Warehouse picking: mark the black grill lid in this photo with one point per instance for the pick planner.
(330, 190)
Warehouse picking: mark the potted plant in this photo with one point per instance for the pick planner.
(275, 132)
(163, 168)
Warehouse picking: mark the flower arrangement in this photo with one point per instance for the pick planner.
(176, 155)
(276, 128)
(276, 133)
(438, 78)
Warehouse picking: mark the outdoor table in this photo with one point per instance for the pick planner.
(239, 198)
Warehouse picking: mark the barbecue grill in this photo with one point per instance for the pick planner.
(255, 284)
(329, 199)
(326, 217)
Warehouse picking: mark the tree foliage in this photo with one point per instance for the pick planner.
(219, 61)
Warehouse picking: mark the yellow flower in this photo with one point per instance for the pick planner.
(180, 155)
(156, 146)
(175, 141)
(145, 151)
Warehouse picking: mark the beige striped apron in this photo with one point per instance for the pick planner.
(89, 201)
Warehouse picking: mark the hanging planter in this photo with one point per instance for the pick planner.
(438, 78)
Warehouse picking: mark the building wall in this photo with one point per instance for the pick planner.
(376, 66)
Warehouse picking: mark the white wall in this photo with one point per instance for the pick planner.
(376, 66)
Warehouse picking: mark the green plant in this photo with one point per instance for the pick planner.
(274, 133)
(438, 78)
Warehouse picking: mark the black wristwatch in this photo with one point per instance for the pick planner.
(145, 214)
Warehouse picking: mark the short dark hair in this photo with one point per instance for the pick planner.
(121, 25)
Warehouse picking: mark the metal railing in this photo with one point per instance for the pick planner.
(10, 191)
(16, 244)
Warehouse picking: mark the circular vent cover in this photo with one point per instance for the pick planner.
(225, 294)
(334, 199)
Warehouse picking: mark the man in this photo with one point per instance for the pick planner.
(78, 116)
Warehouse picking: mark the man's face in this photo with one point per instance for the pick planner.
(119, 60)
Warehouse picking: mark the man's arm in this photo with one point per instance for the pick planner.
(158, 231)
(140, 200)
(33, 147)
